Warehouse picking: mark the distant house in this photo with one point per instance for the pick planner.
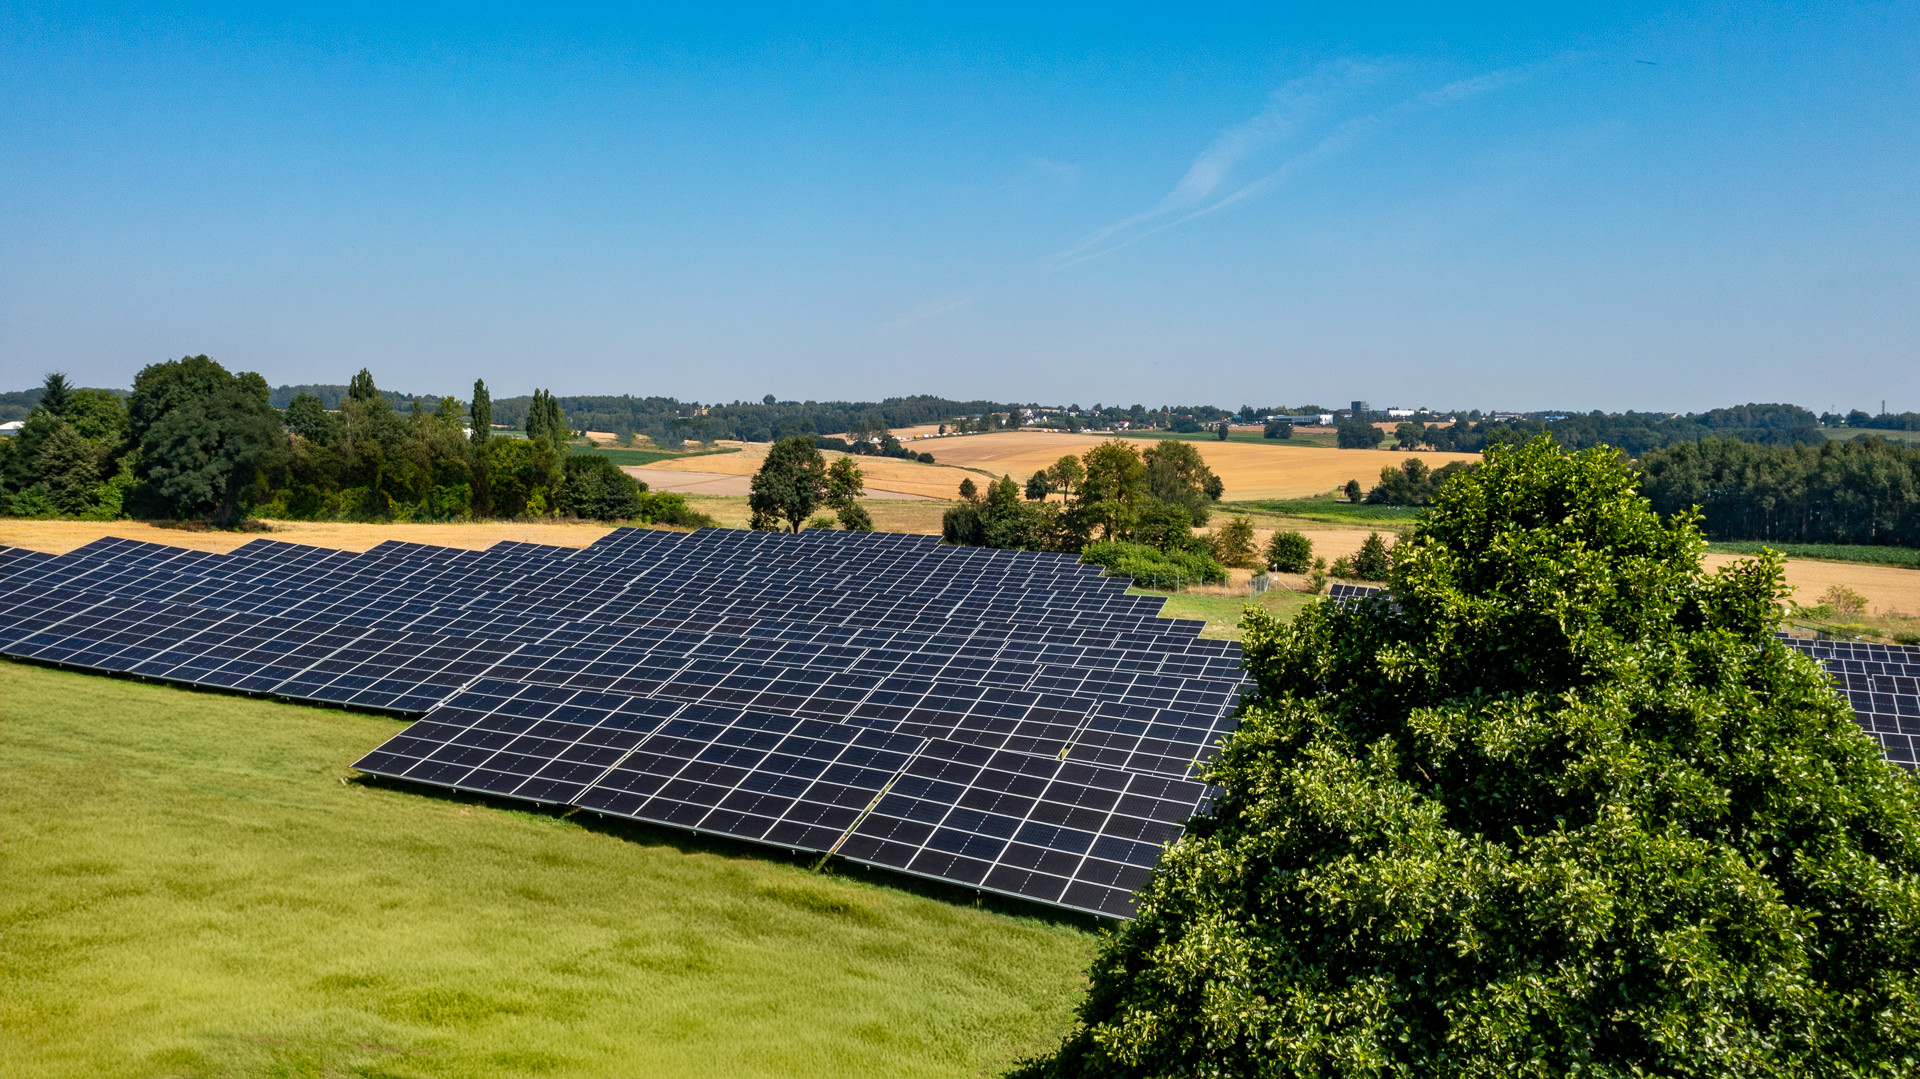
(12, 427)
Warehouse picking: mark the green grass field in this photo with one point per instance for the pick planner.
(1320, 509)
(638, 458)
(1831, 552)
(196, 885)
(1223, 613)
(1848, 434)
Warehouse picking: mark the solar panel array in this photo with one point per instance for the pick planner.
(1880, 681)
(1007, 721)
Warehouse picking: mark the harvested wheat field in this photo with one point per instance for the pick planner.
(1250, 470)
(1890, 590)
(57, 537)
(887, 474)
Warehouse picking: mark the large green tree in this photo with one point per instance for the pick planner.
(213, 457)
(161, 387)
(790, 485)
(1178, 476)
(1563, 806)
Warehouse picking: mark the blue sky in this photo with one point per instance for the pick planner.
(1661, 208)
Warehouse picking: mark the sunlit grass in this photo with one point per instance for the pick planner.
(194, 884)
(1223, 613)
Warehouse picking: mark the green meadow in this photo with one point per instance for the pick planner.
(198, 885)
(641, 458)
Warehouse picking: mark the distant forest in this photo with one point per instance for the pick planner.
(192, 440)
(1637, 433)
(668, 420)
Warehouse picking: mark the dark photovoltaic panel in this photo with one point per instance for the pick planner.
(1880, 681)
(1001, 720)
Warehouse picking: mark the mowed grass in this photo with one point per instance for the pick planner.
(1222, 614)
(1326, 509)
(195, 885)
(622, 456)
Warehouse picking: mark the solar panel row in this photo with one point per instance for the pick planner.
(1880, 681)
(1003, 720)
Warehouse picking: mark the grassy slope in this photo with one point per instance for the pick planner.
(1846, 434)
(638, 458)
(193, 886)
(1327, 510)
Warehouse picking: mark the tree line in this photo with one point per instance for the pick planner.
(1865, 492)
(194, 441)
(1634, 433)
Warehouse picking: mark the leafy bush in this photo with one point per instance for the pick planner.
(1233, 543)
(596, 489)
(855, 518)
(670, 508)
(1373, 561)
(1844, 601)
(1342, 567)
(1564, 806)
(1289, 552)
(1142, 563)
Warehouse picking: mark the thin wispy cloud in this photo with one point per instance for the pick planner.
(1289, 113)
(929, 310)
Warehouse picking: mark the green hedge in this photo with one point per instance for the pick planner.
(1836, 552)
(1144, 563)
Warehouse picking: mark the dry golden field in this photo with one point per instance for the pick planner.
(883, 473)
(56, 537)
(1249, 470)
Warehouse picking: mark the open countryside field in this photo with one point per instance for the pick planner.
(58, 537)
(197, 885)
(1269, 468)
(916, 517)
(938, 480)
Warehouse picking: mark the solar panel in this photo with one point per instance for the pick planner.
(1001, 720)
(1007, 721)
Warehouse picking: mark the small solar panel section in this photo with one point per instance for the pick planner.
(1007, 721)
